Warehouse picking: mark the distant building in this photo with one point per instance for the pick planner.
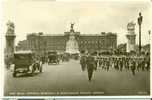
(43, 43)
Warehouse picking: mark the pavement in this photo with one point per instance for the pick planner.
(67, 78)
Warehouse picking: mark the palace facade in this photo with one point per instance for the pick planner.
(42, 43)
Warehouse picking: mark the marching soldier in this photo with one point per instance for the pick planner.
(121, 64)
(103, 63)
(127, 63)
(138, 64)
(133, 67)
(96, 61)
(117, 64)
(90, 61)
(107, 64)
(100, 62)
(143, 64)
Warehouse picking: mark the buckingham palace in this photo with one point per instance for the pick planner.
(70, 42)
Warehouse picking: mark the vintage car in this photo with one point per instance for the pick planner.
(53, 57)
(75, 56)
(26, 62)
(66, 57)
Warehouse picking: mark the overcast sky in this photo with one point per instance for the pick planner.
(89, 17)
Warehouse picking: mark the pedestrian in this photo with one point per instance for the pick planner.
(83, 62)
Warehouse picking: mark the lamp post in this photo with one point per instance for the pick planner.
(139, 23)
(149, 32)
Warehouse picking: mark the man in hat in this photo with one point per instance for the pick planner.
(133, 66)
(90, 61)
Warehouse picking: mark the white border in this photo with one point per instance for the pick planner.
(2, 40)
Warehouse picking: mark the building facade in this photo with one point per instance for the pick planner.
(43, 43)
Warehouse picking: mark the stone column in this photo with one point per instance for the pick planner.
(131, 37)
(10, 43)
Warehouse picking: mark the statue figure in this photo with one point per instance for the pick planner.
(131, 26)
(131, 37)
(10, 27)
(72, 24)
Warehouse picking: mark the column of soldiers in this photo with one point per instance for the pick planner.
(92, 61)
(121, 63)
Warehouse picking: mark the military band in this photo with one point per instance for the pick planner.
(93, 61)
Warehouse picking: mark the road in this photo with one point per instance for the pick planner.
(67, 78)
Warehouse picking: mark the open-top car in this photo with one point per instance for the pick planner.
(26, 62)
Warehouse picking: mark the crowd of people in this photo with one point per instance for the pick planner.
(131, 63)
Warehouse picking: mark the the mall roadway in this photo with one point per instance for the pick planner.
(68, 79)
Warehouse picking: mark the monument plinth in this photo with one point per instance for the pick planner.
(10, 42)
(131, 37)
(72, 44)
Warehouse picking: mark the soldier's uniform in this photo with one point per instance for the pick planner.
(90, 66)
(96, 62)
(143, 65)
(117, 64)
(107, 64)
(127, 64)
(138, 64)
(121, 64)
(133, 67)
(148, 65)
(100, 62)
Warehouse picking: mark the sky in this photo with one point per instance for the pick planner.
(54, 17)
